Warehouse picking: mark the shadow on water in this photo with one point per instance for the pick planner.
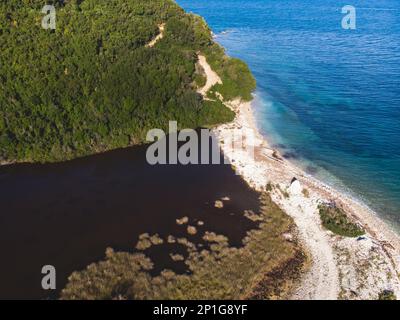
(67, 214)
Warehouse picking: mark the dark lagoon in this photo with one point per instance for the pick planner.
(67, 214)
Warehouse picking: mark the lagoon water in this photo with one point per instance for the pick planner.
(67, 214)
(328, 98)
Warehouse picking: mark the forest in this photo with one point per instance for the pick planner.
(92, 84)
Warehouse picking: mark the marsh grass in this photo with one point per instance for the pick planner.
(217, 272)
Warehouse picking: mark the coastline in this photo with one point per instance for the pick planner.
(331, 274)
(337, 267)
(341, 268)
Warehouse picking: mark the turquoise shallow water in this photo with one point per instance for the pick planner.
(328, 98)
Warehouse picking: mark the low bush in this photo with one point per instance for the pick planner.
(336, 220)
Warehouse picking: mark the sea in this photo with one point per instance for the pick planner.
(328, 97)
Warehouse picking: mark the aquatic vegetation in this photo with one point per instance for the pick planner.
(156, 240)
(177, 257)
(182, 220)
(144, 242)
(213, 237)
(191, 230)
(171, 239)
(252, 216)
(219, 204)
(262, 268)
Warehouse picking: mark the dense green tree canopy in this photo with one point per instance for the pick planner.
(92, 84)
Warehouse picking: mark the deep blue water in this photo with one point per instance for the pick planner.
(328, 98)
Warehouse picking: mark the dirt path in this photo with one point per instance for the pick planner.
(152, 43)
(212, 77)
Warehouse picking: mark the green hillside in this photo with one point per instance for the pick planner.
(92, 85)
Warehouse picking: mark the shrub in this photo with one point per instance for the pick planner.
(336, 220)
(387, 295)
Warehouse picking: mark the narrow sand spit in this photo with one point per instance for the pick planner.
(152, 43)
(341, 268)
